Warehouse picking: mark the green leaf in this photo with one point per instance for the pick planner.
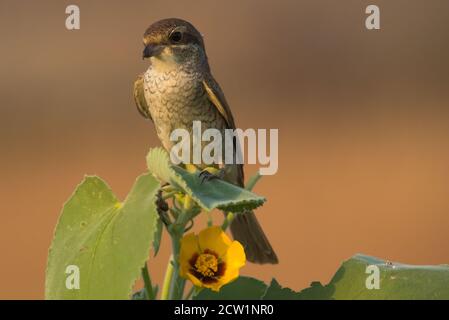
(214, 194)
(107, 240)
(244, 288)
(316, 291)
(397, 281)
(276, 292)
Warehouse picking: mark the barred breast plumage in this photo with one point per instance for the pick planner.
(176, 98)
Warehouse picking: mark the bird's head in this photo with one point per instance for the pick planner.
(173, 40)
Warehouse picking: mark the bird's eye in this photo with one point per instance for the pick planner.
(175, 36)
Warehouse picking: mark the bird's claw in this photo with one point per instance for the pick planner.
(205, 175)
(162, 208)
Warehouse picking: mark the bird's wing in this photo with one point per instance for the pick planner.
(139, 98)
(216, 96)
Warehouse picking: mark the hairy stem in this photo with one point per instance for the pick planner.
(174, 286)
(177, 283)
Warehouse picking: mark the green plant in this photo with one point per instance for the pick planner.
(108, 241)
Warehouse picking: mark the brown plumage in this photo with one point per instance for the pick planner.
(177, 89)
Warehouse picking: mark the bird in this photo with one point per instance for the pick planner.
(177, 89)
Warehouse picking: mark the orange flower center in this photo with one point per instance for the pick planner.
(206, 264)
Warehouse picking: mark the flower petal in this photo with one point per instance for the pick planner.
(235, 257)
(214, 239)
(216, 286)
(229, 276)
(189, 247)
(195, 281)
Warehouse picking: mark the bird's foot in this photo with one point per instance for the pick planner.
(162, 208)
(211, 173)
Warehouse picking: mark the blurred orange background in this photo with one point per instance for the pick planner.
(362, 118)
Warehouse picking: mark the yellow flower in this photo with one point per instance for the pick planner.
(210, 259)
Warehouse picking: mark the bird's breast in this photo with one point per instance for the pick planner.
(173, 90)
(176, 98)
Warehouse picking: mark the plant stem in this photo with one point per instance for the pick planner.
(252, 181)
(177, 283)
(227, 221)
(210, 222)
(167, 280)
(147, 282)
(173, 287)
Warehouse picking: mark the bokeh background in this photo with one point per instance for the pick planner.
(363, 119)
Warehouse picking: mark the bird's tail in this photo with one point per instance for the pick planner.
(246, 229)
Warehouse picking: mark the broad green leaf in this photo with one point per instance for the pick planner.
(244, 288)
(275, 292)
(316, 291)
(107, 240)
(210, 195)
(397, 281)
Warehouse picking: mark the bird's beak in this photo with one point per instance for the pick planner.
(151, 50)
